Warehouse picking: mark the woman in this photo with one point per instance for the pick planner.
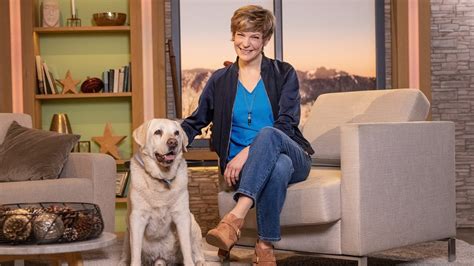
(254, 105)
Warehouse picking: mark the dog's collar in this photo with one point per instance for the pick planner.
(166, 182)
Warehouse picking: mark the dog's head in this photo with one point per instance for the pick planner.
(161, 139)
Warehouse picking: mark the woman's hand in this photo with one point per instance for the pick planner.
(232, 171)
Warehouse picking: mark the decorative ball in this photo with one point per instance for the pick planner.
(17, 226)
(91, 85)
(48, 228)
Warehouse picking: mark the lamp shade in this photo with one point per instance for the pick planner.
(60, 123)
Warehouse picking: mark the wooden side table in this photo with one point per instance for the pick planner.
(56, 253)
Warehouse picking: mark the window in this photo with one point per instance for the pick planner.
(333, 44)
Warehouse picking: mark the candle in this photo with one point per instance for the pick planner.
(73, 9)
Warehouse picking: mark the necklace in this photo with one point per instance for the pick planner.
(249, 107)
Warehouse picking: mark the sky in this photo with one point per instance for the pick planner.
(336, 34)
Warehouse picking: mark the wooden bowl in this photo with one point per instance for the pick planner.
(109, 18)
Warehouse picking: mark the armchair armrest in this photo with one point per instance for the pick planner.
(397, 186)
(101, 170)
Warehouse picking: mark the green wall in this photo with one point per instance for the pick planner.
(85, 9)
(120, 216)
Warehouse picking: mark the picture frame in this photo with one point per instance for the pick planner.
(121, 183)
(82, 146)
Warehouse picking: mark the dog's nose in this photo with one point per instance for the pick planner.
(172, 143)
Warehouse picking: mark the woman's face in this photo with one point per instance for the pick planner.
(248, 45)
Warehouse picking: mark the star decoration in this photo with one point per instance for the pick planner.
(68, 84)
(108, 142)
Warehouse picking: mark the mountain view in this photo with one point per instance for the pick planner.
(312, 84)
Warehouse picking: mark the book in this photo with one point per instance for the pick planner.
(125, 79)
(111, 80)
(49, 79)
(116, 80)
(120, 80)
(129, 85)
(47, 88)
(105, 79)
(39, 75)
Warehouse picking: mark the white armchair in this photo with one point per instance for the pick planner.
(382, 178)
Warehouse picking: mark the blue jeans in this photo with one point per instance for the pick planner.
(274, 162)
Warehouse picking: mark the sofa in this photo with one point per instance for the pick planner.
(382, 178)
(85, 177)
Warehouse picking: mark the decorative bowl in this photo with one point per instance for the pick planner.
(109, 18)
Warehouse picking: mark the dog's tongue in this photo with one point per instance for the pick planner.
(169, 157)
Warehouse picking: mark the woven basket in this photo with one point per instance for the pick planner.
(49, 222)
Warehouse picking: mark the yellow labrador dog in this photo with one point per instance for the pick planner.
(161, 228)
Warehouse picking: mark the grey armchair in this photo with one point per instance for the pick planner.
(382, 178)
(86, 177)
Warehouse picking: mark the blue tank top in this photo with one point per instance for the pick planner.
(246, 126)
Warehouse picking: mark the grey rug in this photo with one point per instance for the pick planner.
(430, 253)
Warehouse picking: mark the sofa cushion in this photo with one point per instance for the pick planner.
(313, 201)
(332, 110)
(33, 154)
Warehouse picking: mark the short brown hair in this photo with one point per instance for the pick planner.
(253, 18)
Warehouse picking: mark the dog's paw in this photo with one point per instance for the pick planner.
(160, 262)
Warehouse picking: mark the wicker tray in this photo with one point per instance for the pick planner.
(49, 222)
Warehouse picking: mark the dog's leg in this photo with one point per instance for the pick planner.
(183, 226)
(196, 242)
(125, 257)
(138, 221)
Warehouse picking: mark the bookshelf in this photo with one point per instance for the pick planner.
(86, 51)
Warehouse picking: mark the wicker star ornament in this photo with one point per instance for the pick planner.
(68, 84)
(108, 142)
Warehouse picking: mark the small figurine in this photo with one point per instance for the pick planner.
(50, 13)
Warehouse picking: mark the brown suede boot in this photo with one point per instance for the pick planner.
(263, 257)
(226, 234)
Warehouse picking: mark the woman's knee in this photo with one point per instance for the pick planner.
(268, 135)
(283, 169)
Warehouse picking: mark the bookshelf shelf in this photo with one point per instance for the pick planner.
(87, 29)
(121, 200)
(83, 95)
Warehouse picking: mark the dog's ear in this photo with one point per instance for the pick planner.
(185, 136)
(139, 134)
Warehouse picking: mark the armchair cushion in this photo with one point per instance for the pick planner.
(33, 154)
(313, 201)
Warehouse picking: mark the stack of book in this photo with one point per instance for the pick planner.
(46, 81)
(117, 79)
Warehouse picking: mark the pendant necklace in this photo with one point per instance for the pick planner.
(249, 107)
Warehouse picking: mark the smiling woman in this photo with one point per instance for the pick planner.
(214, 47)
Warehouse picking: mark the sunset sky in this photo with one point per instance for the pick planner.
(336, 34)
